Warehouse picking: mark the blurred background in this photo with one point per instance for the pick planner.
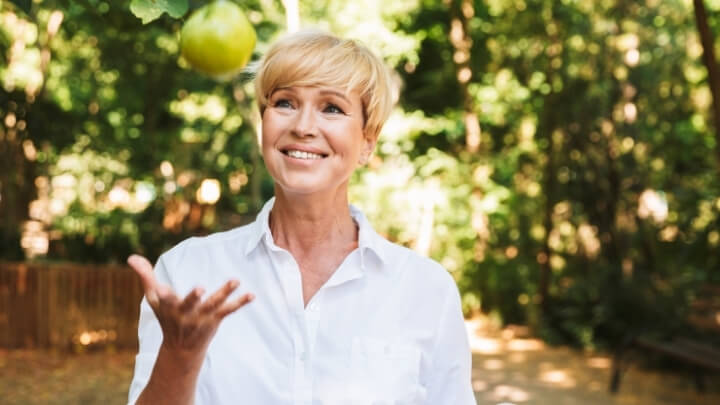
(559, 158)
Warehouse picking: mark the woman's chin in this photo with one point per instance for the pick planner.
(299, 187)
(303, 187)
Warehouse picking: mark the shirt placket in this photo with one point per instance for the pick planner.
(312, 318)
(302, 363)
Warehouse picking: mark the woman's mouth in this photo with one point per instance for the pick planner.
(299, 154)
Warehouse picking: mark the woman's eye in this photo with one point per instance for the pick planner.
(332, 108)
(282, 103)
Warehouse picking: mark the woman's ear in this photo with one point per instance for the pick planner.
(367, 150)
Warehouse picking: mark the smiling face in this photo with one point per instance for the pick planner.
(313, 138)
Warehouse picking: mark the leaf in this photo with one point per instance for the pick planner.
(23, 5)
(150, 10)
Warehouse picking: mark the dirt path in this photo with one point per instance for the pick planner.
(507, 370)
(29, 377)
(519, 371)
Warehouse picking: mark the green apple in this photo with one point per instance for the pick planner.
(218, 39)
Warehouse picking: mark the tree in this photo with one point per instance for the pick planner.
(710, 62)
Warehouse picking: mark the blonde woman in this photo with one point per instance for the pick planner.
(308, 305)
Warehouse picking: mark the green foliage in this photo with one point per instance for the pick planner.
(597, 161)
(23, 5)
(150, 10)
(582, 111)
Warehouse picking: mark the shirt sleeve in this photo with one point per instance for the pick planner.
(450, 378)
(149, 337)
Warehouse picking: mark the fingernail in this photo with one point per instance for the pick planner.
(251, 297)
(234, 283)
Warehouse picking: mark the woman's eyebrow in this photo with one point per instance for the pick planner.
(279, 90)
(335, 93)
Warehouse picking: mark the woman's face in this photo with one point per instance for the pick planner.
(313, 138)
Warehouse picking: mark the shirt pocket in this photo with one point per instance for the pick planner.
(385, 373)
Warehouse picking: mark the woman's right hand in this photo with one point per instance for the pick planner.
(188, 324)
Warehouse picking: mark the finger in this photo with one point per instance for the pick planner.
(143, 268)
(220, 296)
(166, 296)
(191, 299)
(234, 305)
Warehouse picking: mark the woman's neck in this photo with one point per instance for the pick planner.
(303, 223)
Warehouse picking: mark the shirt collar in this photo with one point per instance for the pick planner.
(368, 239)
(261, 227)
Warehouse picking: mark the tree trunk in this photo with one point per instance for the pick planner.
(251, 116)
(427, 223)
(462, 43)
(17, 161)
(550, 190)
(17, 189)
(292, 15)
(706, 39)
(548, 124)
(256, 175)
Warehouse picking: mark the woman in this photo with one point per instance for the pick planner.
(332, 313)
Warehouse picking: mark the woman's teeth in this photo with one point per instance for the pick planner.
(303, 155)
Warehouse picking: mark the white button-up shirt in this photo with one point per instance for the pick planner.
(386, 328)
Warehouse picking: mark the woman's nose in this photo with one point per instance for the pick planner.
(305, 123)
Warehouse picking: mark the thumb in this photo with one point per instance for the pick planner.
(144, 269)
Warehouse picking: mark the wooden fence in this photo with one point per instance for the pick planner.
(68, 306)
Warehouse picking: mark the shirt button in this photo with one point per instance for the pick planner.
(314, 307)
(301, 357)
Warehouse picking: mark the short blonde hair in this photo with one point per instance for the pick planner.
(312, 58)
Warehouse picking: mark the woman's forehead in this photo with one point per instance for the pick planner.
(322, 90)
